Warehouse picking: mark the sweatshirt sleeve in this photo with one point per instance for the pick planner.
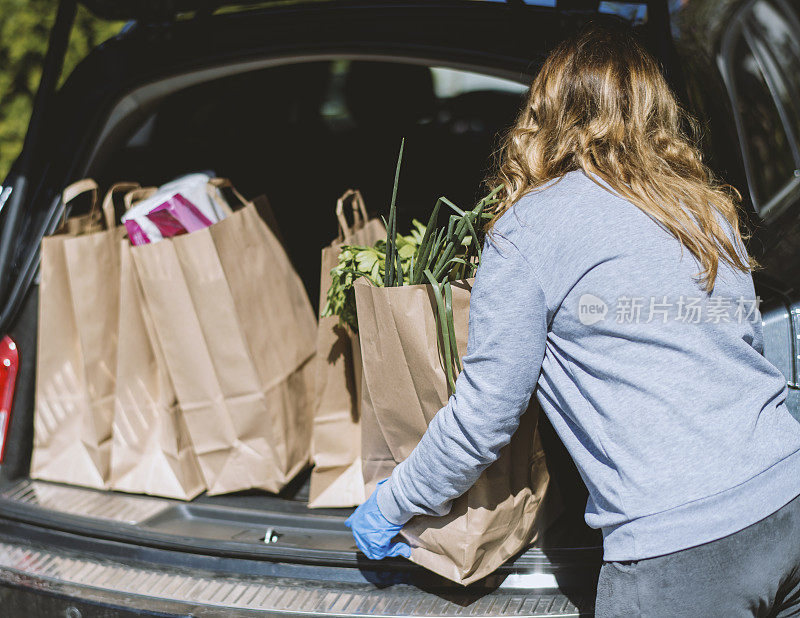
(505, 347)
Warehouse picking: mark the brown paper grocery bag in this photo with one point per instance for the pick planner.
(77, 344)
(404, 386)
(150, 449)
(336, 480)
(237, 333)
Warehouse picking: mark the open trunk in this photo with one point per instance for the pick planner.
(300, 105)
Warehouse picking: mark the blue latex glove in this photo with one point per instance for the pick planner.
(374, 533)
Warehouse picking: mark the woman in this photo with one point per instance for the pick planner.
(615, 283)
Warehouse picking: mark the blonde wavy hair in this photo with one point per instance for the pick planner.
(600, 104)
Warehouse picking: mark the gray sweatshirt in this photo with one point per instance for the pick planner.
(660, 392)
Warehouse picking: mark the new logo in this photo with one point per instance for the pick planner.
(591, 309)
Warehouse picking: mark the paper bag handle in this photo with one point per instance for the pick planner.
(79, 188)
(359, 212)
(137, 195)
(109, 212)
(224, 183)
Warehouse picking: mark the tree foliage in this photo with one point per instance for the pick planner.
(24, 31)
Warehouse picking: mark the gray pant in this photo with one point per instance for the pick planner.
(754, 572)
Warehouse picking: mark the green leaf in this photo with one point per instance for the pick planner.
(425, 246)
(366, 260)
(446, 346)
(407, 251)
(391, 231)
(448, 306)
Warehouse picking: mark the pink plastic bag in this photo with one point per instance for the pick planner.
(173, 217)
(136, 234)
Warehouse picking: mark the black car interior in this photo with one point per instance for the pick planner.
(303, 133)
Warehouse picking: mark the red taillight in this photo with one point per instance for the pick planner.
(9, 365)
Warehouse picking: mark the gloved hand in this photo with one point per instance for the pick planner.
(374, 533)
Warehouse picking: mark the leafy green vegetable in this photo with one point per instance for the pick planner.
(434, 253)
(369, 262)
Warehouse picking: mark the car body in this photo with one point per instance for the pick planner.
(190, 85)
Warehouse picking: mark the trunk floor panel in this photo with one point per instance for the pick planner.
(259, 526)
(243, 516)
(84, 502)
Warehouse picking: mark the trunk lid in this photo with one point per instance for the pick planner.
(149, 10)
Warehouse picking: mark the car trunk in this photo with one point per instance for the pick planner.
(269, 100)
